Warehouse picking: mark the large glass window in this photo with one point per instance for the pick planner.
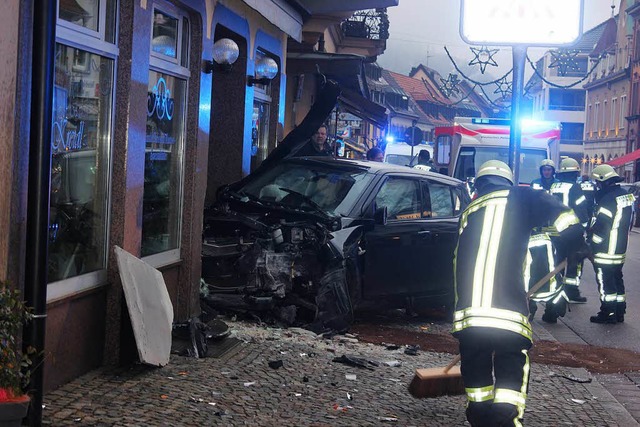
(80, 146)
(166, 111)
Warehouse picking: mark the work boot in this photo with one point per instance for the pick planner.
(549, 317)
(608, 318)
(533, 307)
(573, 294)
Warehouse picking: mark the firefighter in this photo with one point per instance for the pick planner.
(609, 236)
(570, 193)
(541, 258)
(589, 191)
(490, 320)
(547, 176)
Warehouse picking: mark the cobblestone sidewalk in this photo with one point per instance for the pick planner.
(308, 390)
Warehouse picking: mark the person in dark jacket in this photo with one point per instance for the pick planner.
(609, 236)
(547, 176)
(570, 193)
(316, 145)
(490, 318)
(589, 191)
(375, 155)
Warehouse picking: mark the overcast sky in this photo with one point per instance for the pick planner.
(421, 28)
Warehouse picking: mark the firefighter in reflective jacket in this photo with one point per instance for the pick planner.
(547, 176)
(541, 258)
(609, 237)
(490, 319)
(570, 193)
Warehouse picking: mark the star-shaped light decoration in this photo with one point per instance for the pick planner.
(564, 60)
(450, 85)
(483, 57)
(504, 88)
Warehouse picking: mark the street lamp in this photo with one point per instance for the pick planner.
(225, 53)
(266, 70)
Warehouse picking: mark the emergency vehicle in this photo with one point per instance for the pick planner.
(460, 149)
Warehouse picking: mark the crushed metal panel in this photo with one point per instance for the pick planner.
(149, 306)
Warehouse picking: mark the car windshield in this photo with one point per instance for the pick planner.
(471, 158)
(313, 186)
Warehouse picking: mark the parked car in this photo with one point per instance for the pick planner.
(312, 239)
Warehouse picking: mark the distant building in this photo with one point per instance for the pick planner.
(608, 93)
(564, 105)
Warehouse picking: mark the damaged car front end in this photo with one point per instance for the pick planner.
(277, 243)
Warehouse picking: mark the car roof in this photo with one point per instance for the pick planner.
(378, 168)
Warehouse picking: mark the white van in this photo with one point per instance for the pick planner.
(399, 153)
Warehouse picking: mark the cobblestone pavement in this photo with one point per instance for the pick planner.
(308, 390)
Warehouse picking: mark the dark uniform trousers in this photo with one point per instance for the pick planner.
(611, 288)
(489, 352)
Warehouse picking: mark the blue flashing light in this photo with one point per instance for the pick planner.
(390, 138)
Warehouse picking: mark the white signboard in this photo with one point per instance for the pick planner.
(528, 22)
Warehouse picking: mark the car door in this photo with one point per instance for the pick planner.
(443, 204)
(394, 251)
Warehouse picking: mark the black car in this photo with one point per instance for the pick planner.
(311, 239)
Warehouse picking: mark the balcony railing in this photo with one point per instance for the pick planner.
(372, 24)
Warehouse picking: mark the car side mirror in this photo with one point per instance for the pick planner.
(380, 216)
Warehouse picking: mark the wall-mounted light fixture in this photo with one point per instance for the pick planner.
(225, 53)
(266, 70)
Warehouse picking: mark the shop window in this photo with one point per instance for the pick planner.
(161, 206)
(80, 146)
(165, 134)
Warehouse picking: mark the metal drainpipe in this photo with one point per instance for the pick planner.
(35, 288)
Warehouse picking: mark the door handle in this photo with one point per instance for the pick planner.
(424, 234)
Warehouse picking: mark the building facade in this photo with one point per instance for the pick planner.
(144, 126)
(608, 90)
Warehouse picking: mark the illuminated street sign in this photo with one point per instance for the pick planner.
(527, 22)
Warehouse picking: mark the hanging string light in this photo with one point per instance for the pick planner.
(450, 85)
(564, 60)
(483, 57)
(504, 88)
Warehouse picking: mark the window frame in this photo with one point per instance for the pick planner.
(164, 64)
(415, 180)
(623, 112)
(93, 42)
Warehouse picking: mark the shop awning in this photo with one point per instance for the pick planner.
(281, 14)
(360, 106)
(627, 158)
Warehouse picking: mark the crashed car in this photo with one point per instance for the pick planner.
(312, 239)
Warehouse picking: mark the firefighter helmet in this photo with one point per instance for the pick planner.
(569, 165)
(603, 173)
(549, 163)
(495, 168)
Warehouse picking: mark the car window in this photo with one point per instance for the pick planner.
(401, 197)
(438, 200)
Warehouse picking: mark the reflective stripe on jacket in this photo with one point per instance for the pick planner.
(490, 256)
(609, 232)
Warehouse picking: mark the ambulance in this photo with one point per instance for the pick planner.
(460, 149)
